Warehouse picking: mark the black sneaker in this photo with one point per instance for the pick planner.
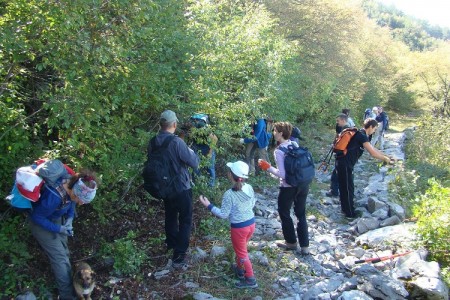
(246, 283)
(179, 264)
(351, 217)
(331, 194)
(238, 272)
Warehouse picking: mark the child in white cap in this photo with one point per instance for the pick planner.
(237, 206)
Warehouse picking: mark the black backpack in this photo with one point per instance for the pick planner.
(299, 165)
(160, 178)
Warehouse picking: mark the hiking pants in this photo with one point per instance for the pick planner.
(296, 196)
(375, 136)
(178, 223)
(378, 136)
(55, 246)
(346, 187)
(260, 153)
(212, 169)
(250, 149)
(334, 185)
(239, 239)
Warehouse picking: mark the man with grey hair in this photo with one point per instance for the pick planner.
(177, 206)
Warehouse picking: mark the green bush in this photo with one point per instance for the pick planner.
(433, 214)
(404, 188)
(426, 151)
(14, 257)
(218, 228)
(127, 257)
(422, 186)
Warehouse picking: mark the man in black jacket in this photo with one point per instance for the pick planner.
(178, 207)
(346, 163)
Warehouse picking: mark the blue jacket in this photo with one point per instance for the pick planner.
(381, 118)
(262, 137)
(49, 208)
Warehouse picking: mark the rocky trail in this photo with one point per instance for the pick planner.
(339, 266)
(331, 271)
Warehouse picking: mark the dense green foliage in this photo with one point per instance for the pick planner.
(417, 34)
(85, 81)
(427, 151)
(433, 213)
(127, 257)
(423, 187)
(13, 257)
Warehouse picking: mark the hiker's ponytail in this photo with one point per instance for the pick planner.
(239, 182)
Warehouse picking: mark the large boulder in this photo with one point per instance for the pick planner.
(429, 288)
(380, 286)
(402, 234)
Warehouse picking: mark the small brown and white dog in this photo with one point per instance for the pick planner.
(83, 281)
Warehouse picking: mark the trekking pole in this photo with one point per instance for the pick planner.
(326, 161)
(375, 260)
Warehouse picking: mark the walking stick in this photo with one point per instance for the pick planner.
(375, 260)
(326, 161)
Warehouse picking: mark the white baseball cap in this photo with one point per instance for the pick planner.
(239, 168)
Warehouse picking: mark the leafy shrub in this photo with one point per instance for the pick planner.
(215, 227)
(433, 214)
(404, 188)
(427, 174)
(14, 257)
(426, 151)
(127, 257)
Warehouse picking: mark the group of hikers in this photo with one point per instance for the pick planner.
(238, 201)
(52, 216)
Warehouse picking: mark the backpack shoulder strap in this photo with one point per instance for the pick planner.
(289, 147)
(350, 129)
(164, 145)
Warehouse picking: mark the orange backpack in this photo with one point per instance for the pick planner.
(341, 144)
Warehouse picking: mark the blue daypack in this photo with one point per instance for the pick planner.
(299, 165)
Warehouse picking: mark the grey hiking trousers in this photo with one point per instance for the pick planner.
(56, 248)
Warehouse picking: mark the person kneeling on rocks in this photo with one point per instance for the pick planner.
(237, 206)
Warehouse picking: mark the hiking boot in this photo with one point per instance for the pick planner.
(287, 246)
(246, 283)
(304, 251)
(238, 272)
(331, 194)
(180, 265)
